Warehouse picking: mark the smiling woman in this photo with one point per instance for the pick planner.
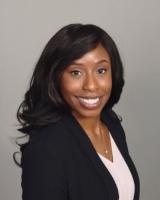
(77, 147)
(86, 83)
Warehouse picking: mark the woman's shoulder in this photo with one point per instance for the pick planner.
(49, 138)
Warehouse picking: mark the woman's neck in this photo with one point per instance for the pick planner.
(91, 125)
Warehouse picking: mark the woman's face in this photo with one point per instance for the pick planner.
(86, 83)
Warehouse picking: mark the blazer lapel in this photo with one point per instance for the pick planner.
(86, 146)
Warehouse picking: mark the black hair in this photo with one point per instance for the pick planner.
(43, 102)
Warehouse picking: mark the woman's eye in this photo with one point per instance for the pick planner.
(101, 70)
(75, 73)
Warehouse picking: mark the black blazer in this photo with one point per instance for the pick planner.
(60, 163)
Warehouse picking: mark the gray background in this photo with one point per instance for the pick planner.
(26, 26)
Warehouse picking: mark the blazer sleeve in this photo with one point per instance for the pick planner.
(42, 174)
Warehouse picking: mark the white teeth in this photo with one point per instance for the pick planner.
(90, 101)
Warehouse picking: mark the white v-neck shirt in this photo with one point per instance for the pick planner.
(120, 173)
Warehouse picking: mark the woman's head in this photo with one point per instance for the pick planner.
(86, 84)
(44, 99)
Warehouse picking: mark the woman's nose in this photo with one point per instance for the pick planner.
(90, 83)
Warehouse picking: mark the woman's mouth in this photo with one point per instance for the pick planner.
(89, 102)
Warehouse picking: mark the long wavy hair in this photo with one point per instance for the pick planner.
(43, 102)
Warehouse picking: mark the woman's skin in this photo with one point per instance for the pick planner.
(86, 86)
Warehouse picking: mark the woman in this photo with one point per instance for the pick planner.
(77, 148)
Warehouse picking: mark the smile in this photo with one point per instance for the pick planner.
(88, 101)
